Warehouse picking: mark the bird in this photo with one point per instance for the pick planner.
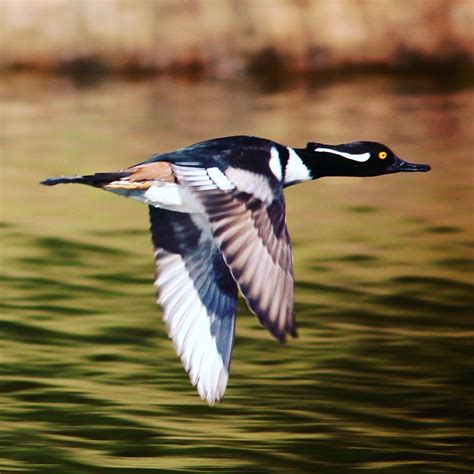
(218, 227)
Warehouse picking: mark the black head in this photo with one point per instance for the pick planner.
(355, 159)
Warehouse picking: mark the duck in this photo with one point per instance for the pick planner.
(218, 227)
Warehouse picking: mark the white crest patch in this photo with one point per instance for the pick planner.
(361, 157)
(295, 170)
(275, 163)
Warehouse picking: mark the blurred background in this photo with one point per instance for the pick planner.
(381, 378)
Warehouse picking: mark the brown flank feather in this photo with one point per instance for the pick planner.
(160, 171)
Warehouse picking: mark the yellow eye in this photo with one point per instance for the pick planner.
(383, 155)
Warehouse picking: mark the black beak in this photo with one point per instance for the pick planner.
(400, 165)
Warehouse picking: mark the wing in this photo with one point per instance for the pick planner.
(198, 296)
(246, 212)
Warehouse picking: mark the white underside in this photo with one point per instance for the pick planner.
(170, 196)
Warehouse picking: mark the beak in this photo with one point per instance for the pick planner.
(400, 165)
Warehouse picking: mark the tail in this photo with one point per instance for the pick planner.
(97, 179)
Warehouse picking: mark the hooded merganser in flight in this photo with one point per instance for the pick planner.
(217, 216)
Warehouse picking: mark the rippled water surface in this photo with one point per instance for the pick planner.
(381, 377)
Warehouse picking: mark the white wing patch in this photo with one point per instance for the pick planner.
(275, 163)
(203, 179)
(195, 176)
(252, 183)
(220, 179)
(295, 170)
(361, 157)
(189, 327)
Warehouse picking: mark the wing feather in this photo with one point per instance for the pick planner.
(251, 233)
(198, 296)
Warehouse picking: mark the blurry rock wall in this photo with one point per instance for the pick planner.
(225, 37)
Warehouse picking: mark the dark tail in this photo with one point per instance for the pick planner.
(98, 179)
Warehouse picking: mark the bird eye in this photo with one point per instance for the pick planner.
(383, 155)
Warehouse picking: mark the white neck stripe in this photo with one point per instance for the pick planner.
(360, 157)
(295, 170)
(275, 163)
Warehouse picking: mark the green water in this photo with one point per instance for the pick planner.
(381, 378)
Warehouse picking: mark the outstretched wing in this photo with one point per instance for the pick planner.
(198, 296)
(246, 212)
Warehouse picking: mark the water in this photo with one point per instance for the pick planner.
(381, 377)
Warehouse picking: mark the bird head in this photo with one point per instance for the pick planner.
(361, 158)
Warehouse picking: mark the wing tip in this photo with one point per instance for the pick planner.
(281, 334)
(274, 328)
(216, 393)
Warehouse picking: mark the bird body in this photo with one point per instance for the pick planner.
(217, 214)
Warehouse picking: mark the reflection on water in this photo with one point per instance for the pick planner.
(381, 376)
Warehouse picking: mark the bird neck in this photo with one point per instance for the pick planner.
(330, 160)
